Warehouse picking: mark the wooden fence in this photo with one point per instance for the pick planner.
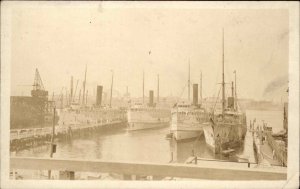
(201, 171)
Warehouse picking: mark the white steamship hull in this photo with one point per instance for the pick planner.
(183, 131)
(187, 126)
(184, 135)
(132, 126)
(69, 117)
(148, 119)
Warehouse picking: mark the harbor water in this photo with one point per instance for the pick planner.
(144, 145)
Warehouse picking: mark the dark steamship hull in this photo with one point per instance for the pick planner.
(223, 136)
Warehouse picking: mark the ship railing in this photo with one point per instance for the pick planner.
(30, 133)
(14, 134)
(60, 129)
(38, 131)
(23, 133)
(46, 130)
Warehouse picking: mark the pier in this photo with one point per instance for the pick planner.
(27, 138)
(268, 154)
(268, 151)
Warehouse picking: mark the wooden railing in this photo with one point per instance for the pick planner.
(203, 171)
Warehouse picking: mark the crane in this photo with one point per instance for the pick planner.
(38, 87)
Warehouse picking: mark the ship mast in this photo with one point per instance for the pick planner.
(200, 87)
(71, 94)
(232, 89)
(223, 78)
(61, 100)
(111, 87)
(84, 82)
(189, 82)
(86, 96)
(75, 91)
(143, 86)
(157, 88)
(235, 96)
(79, 96)
(67, 102)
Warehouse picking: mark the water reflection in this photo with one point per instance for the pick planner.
(143, 146)
(196, 147)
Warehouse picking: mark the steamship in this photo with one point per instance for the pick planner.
(187, 118)
(226, 128)
(77, 113)
(141, 116)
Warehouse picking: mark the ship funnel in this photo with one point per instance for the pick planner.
(151, 98)
(230, 102)
(195, 94)
(99, 95)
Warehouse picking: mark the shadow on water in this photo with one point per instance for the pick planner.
(160, 131)
(119, 144)
(182, 150)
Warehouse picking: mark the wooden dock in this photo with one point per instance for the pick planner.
(27, 138)
(267, 151)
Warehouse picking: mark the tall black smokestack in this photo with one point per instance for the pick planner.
(230, 103)
(195, 94)
(99, 95)
(151, 96)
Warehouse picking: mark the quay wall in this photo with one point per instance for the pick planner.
(27, 138)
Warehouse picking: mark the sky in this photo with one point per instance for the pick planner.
(60, 41)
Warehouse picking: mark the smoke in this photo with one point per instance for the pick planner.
(278, 84)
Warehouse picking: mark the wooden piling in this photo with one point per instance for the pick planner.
(52, 141)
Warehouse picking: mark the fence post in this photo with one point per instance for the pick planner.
(126, 177)
(66, 175)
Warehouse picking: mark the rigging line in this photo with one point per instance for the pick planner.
(181, 93)
(240, 106)
(217, 100)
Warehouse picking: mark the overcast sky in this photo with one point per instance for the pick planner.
(61, 41)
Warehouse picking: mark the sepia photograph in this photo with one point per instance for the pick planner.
(190, 94)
